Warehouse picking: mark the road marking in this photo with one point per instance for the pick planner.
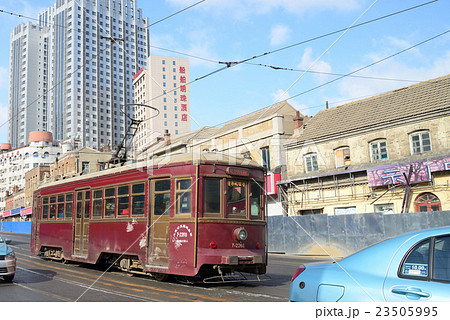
(76, 284)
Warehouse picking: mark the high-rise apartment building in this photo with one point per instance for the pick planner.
(27, 82)
(91, 49)
(163, 85)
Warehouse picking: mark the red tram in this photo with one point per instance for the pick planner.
(194, 215)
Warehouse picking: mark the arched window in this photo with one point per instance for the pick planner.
(46, 154)
(35, 154)
(427, 202)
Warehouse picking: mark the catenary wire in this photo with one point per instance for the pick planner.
(87, 62)
(348, 74)
(234, 63)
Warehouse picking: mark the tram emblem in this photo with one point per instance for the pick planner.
(181, 235)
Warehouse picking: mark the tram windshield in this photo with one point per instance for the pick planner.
(236, 197)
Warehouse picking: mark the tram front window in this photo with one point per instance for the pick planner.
(236, 197)
(255, 200)
(211, 195)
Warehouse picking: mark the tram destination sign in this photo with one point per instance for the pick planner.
(238, 172)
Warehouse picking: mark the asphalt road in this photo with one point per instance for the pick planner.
(39, 280)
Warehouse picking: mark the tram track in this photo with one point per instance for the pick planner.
(83, 279)
(90, 282)
(78, 284)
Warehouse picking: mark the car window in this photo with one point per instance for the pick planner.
(416, 264)
(442, 259)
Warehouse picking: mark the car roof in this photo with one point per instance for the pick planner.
(380, 254)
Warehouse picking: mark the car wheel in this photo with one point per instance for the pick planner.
(9, 278)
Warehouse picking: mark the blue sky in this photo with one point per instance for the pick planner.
(233, 30)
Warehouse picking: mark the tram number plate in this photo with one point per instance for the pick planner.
(237, 245)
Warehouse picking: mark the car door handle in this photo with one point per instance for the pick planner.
(411, 291)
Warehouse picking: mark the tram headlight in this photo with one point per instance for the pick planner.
(240, 234)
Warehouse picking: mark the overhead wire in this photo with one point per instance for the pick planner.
(230, 64)
(331, 33)
(351, 73)
(113, 40)
(332, 74)
(372, 64)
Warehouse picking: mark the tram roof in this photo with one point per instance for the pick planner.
(169, 160)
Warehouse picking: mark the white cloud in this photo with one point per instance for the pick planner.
(279, 34)
(281, 95)
(310, 63)
(199, 44)
(393, 69)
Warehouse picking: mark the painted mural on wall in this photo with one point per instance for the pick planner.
(395, 174)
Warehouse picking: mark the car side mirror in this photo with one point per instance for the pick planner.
(7, 241)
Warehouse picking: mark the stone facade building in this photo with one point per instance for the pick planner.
(388, 153)
(77, 162)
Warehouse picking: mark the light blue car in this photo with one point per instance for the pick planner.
(7, 260)
(411, 267)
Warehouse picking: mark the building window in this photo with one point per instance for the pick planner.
(420, 142)
(345, 210)
(378, 150)
(305, 212)
(85, 166)
(427, 202)
(342, 157)
(265, 156)
(386, 208)
(311, 162)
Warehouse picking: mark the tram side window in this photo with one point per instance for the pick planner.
(183, 196)
(255, 200)
(110, 202)
(52, 207)
(69, 205)
(123, 200)
(60, 207)
(236, 197)
(45, 208)
(211, 195)
(97, 203)
(138, 199)
(79, 204)
(87, 204)
(161, 197)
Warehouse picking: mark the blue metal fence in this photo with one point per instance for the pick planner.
(16, 226)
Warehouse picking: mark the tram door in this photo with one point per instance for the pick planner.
(158, 254)
(36, 218)
(81, 230)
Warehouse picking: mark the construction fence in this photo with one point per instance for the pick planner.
(341, 235)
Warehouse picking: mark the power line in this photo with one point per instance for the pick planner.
(372, 64)
(234, 63)
(328, 34)
(173, 14)
(331, 73)
(348, 74)
(113, 40)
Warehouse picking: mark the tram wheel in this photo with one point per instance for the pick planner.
(160, 276)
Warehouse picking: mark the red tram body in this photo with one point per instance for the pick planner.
(193, 215)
